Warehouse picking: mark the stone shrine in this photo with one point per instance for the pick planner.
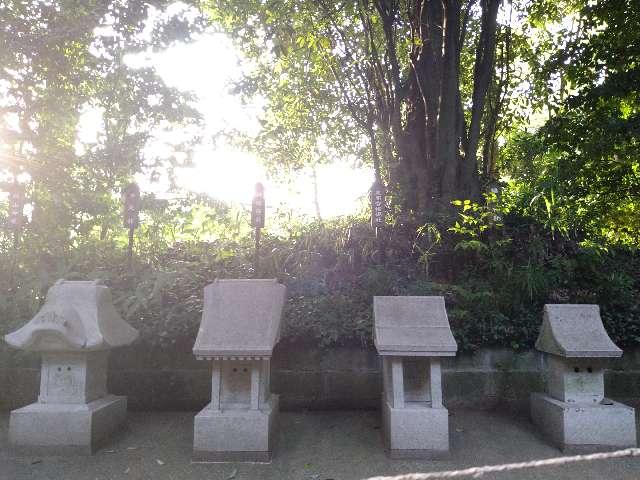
(574, 413)
(240, 327)
(73, 331)
(411, 334)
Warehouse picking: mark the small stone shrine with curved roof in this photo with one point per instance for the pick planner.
(74, 331)
(574, 412)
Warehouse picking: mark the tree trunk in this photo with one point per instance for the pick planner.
(448, 147)
(483, 72)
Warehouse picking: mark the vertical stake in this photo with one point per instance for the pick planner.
(131, 208)
(377, 194)
(257, 222)
(256, 263)
(130, 247)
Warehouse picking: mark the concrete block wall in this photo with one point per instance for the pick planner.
(309, 378)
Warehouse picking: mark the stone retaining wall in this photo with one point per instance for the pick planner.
(307, 378)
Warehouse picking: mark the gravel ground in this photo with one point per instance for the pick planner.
(310, 446)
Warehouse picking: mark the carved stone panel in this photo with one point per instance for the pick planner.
(416, 379)
(236, 384)
(73, 378)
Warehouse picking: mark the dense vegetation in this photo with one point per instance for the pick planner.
(557, 143)
(495, 277)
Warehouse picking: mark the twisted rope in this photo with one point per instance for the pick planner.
(477, 472)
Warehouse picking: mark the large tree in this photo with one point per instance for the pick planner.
(410, 76)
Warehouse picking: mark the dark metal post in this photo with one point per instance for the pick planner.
(256, 262)
(378, 214)
(16, 208)
(15, 220)
(131, 209)
(130, 246)
(257, 222)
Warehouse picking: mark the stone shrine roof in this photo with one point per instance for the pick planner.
(572, 331)
(240, 318)
(412, 326)
(76, 316)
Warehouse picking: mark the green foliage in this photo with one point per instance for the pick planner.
(563, 227)
(579, 174)
(66, 57)
(494, 293)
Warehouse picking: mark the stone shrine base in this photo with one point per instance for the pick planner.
(576, 428)
(343, 445)
(238, 435)
(59, 428)
(416, 431)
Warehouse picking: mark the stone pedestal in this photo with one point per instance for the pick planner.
(576, 428)
(416, 431)
(235, 435)
(416, 424)
(66, 428)
(573, 413)
(74, 331)
(411, 334)
(240, 326)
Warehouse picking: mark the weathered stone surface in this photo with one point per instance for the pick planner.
(584, 428)
(74, 330)
(575, 331)
(575, 414)
(416, 431)
(577, 381)
(240, 317)
(235, 435)
(54, 428)
(412, 326)
(240, 327)
(469, 386)
(416, 380)
(412, 333)
(301, 383)
(76, 316)
(342, 358)
(518, 385)
(339, 386)
(147, 357)
(73, 377)
(302, 358)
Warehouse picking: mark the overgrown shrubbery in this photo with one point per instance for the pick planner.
(495, 269)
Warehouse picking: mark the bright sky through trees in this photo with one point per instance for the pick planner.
(222, 171)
